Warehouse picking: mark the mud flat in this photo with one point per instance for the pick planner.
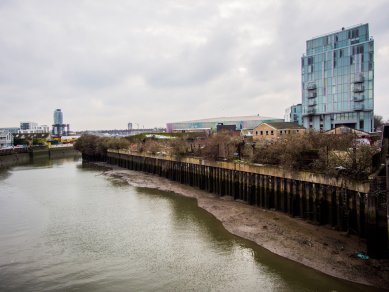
(320, 248)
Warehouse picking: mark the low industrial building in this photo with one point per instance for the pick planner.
(243, 122)
(272, 131)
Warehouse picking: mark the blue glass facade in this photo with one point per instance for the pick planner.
(338, 80)
(58, 117)
(293, 114)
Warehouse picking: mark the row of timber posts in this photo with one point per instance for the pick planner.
(339, 207)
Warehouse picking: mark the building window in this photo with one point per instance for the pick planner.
(261, 132)
(256, 132)
(267, 132)
(271, 133)
(297, 131)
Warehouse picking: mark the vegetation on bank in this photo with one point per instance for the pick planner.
(143, 136)
(95, 146)
(334, 155)
(30, 141)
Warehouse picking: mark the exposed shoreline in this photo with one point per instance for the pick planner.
(320, 248)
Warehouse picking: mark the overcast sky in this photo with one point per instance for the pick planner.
(107, 63)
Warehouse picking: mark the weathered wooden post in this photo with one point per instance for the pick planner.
(294, 204)
(275, 193)
(256, 189)
(288, 196)
(301, 190)
(372, 237)
(270, 190)
(387, 201)
(261, 191)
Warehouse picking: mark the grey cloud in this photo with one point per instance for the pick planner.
(152, 62)
(194, 65)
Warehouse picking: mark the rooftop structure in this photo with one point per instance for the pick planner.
(241, 122)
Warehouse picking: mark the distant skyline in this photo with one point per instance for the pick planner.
(107, 63)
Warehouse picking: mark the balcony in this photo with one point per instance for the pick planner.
(359, 78)
(311, 102)
(358, 87)
(359, 98)
(311, 86)
(311, 111)
(358, 106)
(312, 94)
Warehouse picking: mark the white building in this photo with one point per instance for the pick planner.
(33, 128)
(6, 139)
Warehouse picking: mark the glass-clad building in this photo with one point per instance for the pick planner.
(58, 117)
(338, 80)
(293, 114)
(59, 128)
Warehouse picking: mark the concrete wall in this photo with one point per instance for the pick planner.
(14, 159)
(36, 154)
(61, 152)
(305, 176)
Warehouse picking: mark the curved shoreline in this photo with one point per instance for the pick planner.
(320, 248)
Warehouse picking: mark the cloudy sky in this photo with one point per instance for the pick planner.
(107, 63)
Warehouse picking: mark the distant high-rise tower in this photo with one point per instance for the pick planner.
(338, 80)
(59, 128)
(129, 126)
(58, 117)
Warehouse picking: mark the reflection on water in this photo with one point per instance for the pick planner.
(65, 227)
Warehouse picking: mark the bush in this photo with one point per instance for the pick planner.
(220, 145)
(318, 152)
(95, 146)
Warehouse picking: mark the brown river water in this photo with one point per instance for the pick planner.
(66, 227)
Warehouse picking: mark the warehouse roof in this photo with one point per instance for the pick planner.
(228, 119)
(284, 125)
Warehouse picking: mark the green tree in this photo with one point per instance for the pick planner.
(87, 144)
(95, 146)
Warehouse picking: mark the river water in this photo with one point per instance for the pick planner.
(67, 227)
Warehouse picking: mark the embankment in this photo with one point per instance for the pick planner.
(11, 158)
(348, 206)
(14, 159)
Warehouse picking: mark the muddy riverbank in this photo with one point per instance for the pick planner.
(320, 248)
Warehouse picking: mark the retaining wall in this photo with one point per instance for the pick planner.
(14, 159)
(341, 203)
